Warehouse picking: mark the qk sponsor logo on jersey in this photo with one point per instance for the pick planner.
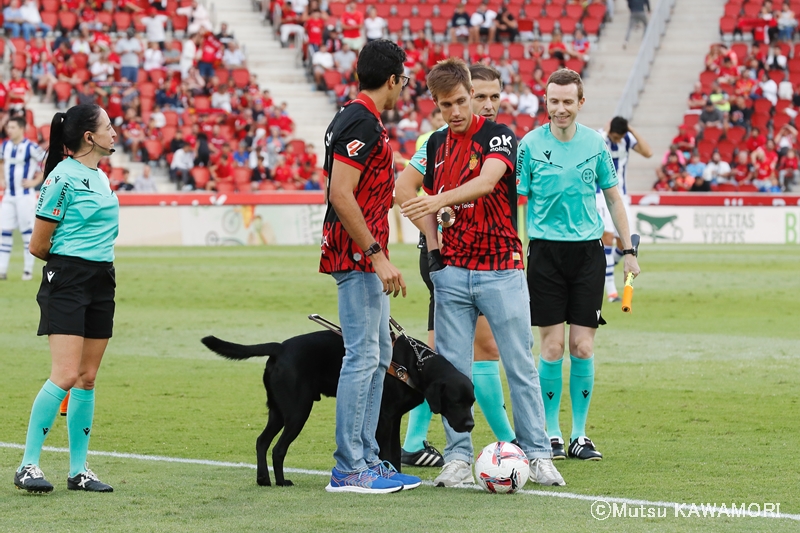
(353, 147)
(501, 143)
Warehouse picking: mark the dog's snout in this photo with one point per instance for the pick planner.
(469, 425)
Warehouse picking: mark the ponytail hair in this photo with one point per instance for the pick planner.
(66, 132)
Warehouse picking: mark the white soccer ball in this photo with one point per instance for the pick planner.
(502, 468)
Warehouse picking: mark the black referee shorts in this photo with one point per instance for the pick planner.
(76, 297)
(565, 281)
(426, 277)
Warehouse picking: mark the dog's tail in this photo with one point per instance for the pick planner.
(236, 352)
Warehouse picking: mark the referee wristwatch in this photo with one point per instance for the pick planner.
(634, 249)
(373, 249)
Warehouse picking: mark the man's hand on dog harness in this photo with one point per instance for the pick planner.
(435, 261)
(391, 278)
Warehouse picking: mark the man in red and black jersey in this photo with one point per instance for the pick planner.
(470, 180)
(360, 165)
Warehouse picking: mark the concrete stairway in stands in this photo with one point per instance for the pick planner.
(279, 70)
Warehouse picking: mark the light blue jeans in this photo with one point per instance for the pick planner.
(502, 296)
(364, 315)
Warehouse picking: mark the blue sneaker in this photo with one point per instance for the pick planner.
(364, 482)
(387, 471)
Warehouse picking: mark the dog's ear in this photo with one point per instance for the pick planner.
(435, 394)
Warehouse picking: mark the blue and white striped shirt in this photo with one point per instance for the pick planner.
(20, 162)
(619, 156)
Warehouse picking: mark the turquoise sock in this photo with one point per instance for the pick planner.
(489, 394)
(418, 421)
(552, 382)
(80, 413)
(581, 384)
(43, 414)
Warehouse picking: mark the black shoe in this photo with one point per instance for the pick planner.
(427, 456)
(32, 479)
(88, 481)
(557, 444)
(583, 448)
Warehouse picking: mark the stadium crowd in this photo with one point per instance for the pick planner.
(525, 41)
(176, 90)
(739, 133)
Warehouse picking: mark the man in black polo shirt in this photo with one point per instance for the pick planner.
(469, 178)
(360, 165)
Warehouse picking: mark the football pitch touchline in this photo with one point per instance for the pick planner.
(566, 495)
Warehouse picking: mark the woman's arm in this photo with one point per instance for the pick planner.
(40, 239)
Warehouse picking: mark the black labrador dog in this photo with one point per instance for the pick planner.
(302, 369)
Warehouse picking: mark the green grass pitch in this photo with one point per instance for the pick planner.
(696, 401)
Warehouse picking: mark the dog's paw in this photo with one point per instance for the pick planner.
(263, 482)
(286, 483)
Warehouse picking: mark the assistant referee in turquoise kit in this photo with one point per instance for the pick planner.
(559, 167)
(77, 221)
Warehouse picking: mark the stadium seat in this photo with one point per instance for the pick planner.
(241, 77)
(546, 26)
(50, 6)
(202, 103)
(567, 25)
(712, 134)
(747, 187)
(49, 18)
(122, 20)
(705, 149)
(201, 177)
(44, 132)
(147, 89)
(691, 119)
(267, 185)
(31, 133)
(456, 50)
(574, 11)
(154, 149)
(67, 20)
(575, 64)
(762, 105)
(736, 134)
(596, 12)
(157, 75)
(524, 122)
(225, 187)
(727, 187)
(439, 25)
(725, 148)
(760, 121)
(332, 78)
(241, 177)
(591, 25)
(780, 120)
(63, 91)
(553, 11)
(171, 118)
(19, 61)
(516, 51)
(727, 26)
(751, 9)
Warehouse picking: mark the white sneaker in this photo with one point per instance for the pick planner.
(454, 473)
(544, 472)
(27, 276)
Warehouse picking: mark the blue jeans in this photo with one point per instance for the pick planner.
(15, 28)
(29, 29)
(205, 69)
(364, 315)
(502, 296)
(130, 73)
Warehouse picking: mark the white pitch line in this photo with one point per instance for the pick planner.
(566, 495)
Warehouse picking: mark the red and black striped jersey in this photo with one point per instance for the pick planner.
(356, 137)
(484, 234)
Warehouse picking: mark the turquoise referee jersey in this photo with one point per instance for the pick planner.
(81, 201)
(560, 180)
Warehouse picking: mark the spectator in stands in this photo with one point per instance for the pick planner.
(697, 98)
(460, 23)
(241, 157)
(291, 24)
(102, 69)
(375, 27)
(133, 135)
(528, 102)
(787, 23)
(638, 16)
(19, 93)
(181, 166)
(322, 62)
(700, 185)
(509, 100)
(333, 42)
(769, 89)
(189, 48)
(202, 151)
(221, 98)
(198, 17)
(482, 23)
(225, 35)
(742, 171)
(662, 183)
(233, 57)
(315, 182)
(345, 60)
(87, 94)
(352, 21)
(788, 171)
(210, 52)
(260, 173)
(579, 47)
(727, 72)
(775, 59)
(153, 58)
(408, 127)
(740, 112)
(672, 170)
(695, 168)
(282, 172)
(13, 20)
(172, 58)
(506, 71)
(785, 88)
(785, 139)
(82, 44)
(710, 117)
(155, 27)
(505, 25)
(32, 20)
(145, 182)
(222, 169)
(717, 171)
(755, 140)
(556, 48)
(314, 28)
(765, 176)
(43, 76)
(129, 49)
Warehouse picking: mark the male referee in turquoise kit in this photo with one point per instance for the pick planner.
(558, 168)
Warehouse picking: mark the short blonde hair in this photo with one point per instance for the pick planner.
(447, 75)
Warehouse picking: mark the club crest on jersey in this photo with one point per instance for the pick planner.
(473, 161)
(587, 175)
(353, 147)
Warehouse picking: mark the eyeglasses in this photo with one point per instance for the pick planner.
(405, 79)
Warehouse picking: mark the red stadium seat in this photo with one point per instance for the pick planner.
(759, 120)
(780, 120)
(591, 25)
(122, 20)
(456, 50)
(725, 149)
(19, 61)
(241, 176)
(50, 6)
(439, 25)
(157, 75)
(516, 51)
(553, 11)
(147, 89)
(180, 23)
(525, 25)
(727, 25)
(596, 12)
(524, 122)
(332, 78)
(425, 11)
(44, 132)
(574, 11)
(154, 149)
(241, 77)
(50, 18)
(567, 26)
(167, 134)
(225, 187)
(736, 134)
(67, 20)
(546, 26)
(762, 105)
(712, 134)
(267, 185)
(202, 103)
(63, 91)
(705, 149)
(575, 64)
(201, 177)
(425, 106)
(415, 24)
(690, 120)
